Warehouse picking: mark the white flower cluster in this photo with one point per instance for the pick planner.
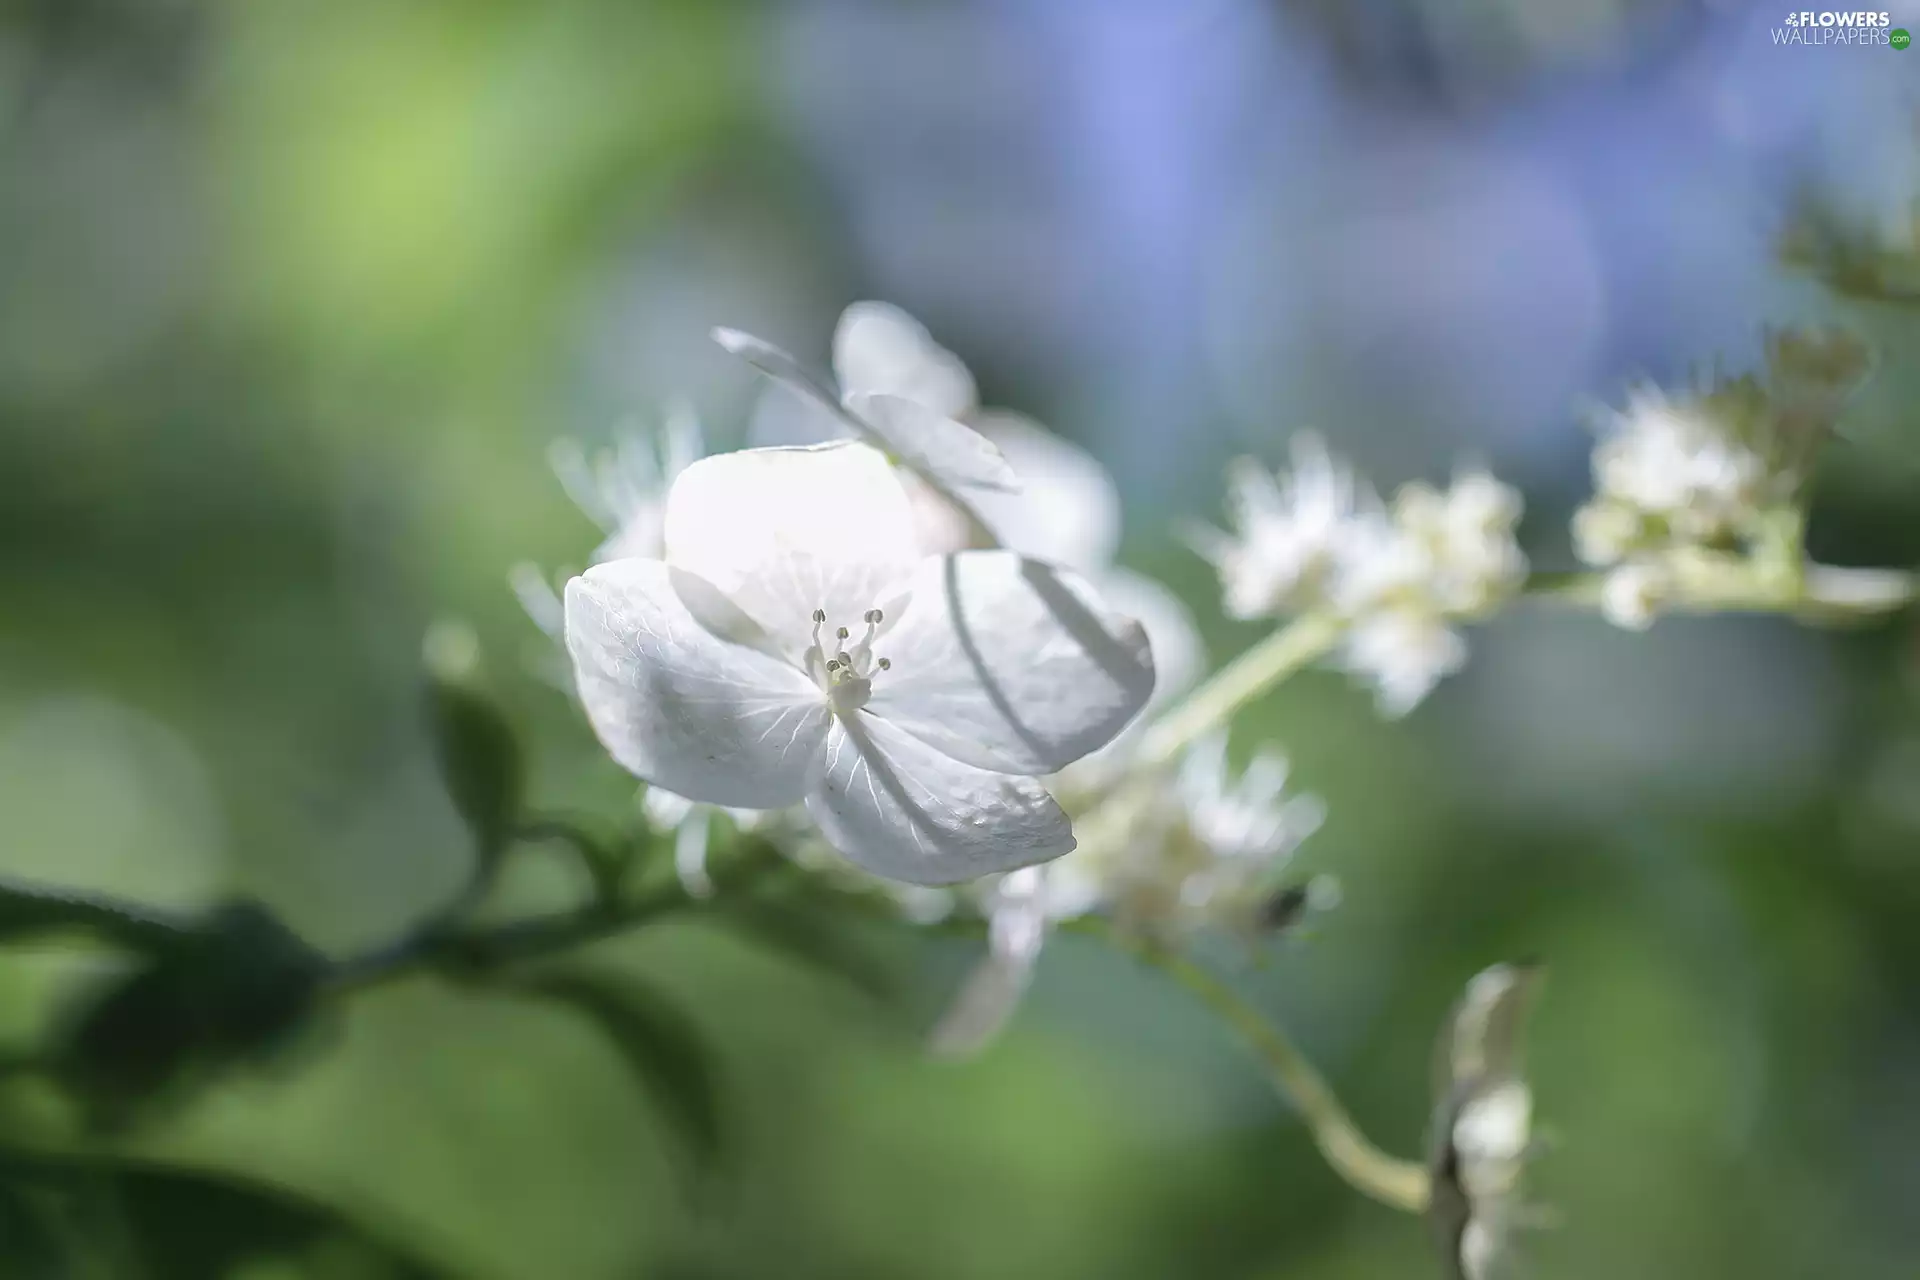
(794, 644)
(1706, 482)
(1205, 849)
(1673, 482)
(782, 627)
(1316, 541)
(621, 488)
(907, 619)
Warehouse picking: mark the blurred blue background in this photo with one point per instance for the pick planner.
(294, 298)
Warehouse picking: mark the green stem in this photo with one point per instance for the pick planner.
(1830, 591)
(1399, 1184)
(1817, 592)
(1248, 676)
(455, 949)
(1813, 592)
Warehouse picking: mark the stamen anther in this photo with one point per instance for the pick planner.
(819, 615)
(843, 633)
(886, 664)
(875, 617)
(832, 665)
(845, 660)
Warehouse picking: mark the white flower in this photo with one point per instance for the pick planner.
(877, 347)
(623, 489)
(1687, 483)
(1317, 541)
(1604, 532)
(899, 391)
(1403, 579)
(793, 645)
(1466, 535)
(1225, 838)
(1404, 653)
(1067, 512)
(1208, 849)
(1631, 595)
(1289, 533)
(1711, 479)
(1064, 509)
(1673, 461)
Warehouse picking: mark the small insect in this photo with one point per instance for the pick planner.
(1285, 908)
(1288, 906)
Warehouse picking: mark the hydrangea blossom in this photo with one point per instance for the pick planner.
(1315, 541)
(1208, 850)
(1062, 506)
(1066, 512)
(793, 645)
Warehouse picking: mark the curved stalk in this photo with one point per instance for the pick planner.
(1396, 1183)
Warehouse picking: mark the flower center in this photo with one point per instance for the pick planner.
(845, 670)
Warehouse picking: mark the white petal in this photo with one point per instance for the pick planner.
(1067, 511)
(921, 438)
(782, 418)
(879, 347)
(1016, 928)
(903, 810)
(538, 597)
(783, 532)
(942, 525)
(712, 720)
(778, 365)
(1011, 664)
(1179, 655)
(938, 447)
(690, 853)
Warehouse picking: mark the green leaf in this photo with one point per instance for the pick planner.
(27, 909)
(103, 1216)
(663, 1048)
(480, 762)
(814, 935)
(234, 988)
(32, 1246)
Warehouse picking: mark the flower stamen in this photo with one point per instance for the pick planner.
(846, 676)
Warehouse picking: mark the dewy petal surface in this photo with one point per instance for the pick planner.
(701, 716)
(879, 347)
(1011, 664)
(907, 811)
(925, 440)
(783, 532)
